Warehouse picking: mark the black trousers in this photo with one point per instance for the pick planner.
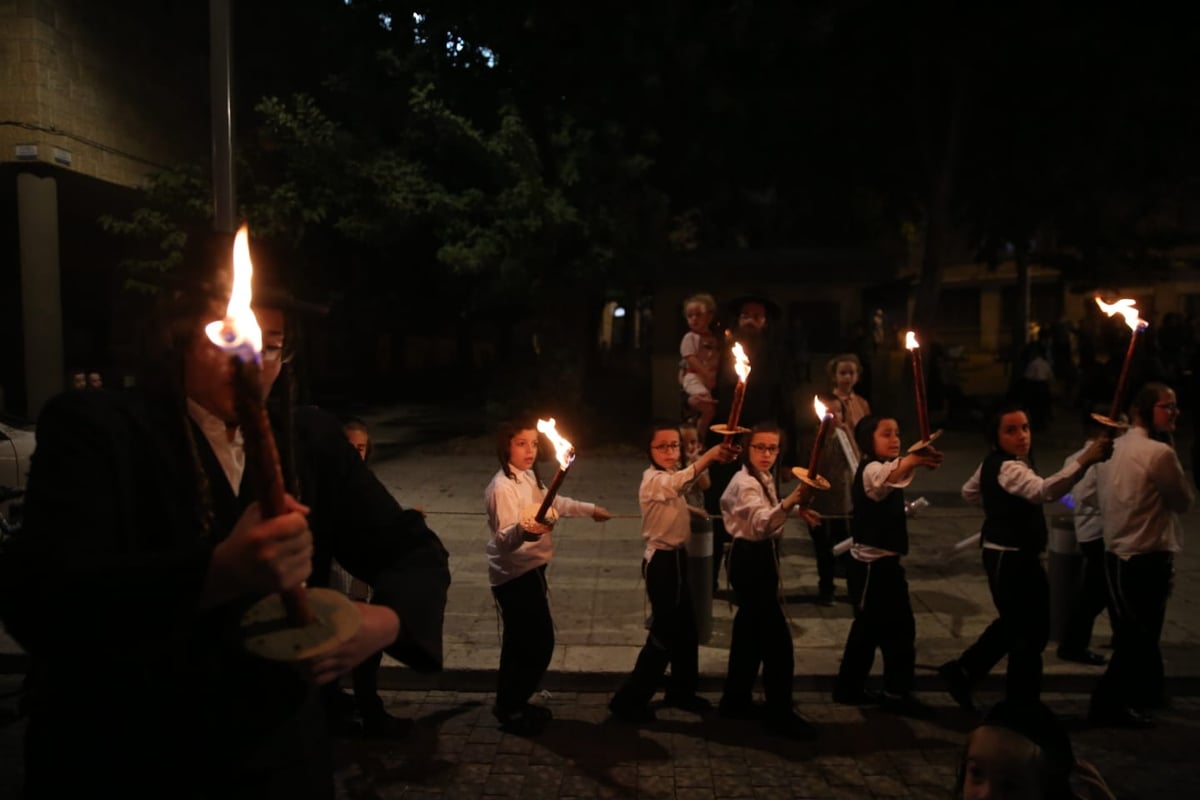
(883, 619)
(760, 631)
(1021, 594)
(528, 641)
(824, 537)
(365, 679)
(1138, 592)
(672, 639)
(1090, 599)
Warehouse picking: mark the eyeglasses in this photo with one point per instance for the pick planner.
(769, 449)
(666, 448)
(753, 317)
(1172, 407)
(272, 353)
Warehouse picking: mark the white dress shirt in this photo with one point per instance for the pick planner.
(750, 508)
(231, 454)
(1018, 478)
(510, 553)
(1088, 525)
(1142, 490)
(666, 521)
(877, 487)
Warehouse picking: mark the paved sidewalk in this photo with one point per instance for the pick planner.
(457, 751)
(598, 599)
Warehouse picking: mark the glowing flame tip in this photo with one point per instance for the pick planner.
(910, 341)
(819, 407)
(238, 333)
(741, 364)
(564, 451)
(1127, 308)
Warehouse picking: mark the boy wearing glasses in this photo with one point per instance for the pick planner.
(666, 528)
(1141, 491)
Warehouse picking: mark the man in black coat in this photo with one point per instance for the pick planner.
(141, 549)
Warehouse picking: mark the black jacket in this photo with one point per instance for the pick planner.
(133, 685)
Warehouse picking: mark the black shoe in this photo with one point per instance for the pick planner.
(688, 702)
(906, 705)
(1119, 718)
(541, 712)
(520, 722)
(740, 710)
(1089, 657)
(957, 684)
(632, 714)
(863, 697)
(385, 726)
(826, 599)
(789, 726)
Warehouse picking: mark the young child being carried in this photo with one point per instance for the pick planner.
(699, 354)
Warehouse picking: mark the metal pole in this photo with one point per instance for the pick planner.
(221, 96)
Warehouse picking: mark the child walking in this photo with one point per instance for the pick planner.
(1013, 538)
(755, 519)
(839, 461)
(883, 615)
(666, 525)
(518, 550)
(698, 351)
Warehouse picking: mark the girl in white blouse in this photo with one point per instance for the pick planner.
(518, 549)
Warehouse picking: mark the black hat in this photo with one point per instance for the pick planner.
(207, 268)
(734, 306)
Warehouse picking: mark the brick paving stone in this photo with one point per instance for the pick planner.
(510, 764)
(772, 793)
(463, 791)
(659, 769)
(694, 793)
(579, 786)
(885, 786)
(655, 786)
(500, 785)
(731, 786)
(693, 778)
(478, 753)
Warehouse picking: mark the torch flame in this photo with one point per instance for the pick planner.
(741, 364)
(1127, 308)
(564, 451)
(819, 407)
(910, 341)
(238, 333)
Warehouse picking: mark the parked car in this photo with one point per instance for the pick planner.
(16, 446)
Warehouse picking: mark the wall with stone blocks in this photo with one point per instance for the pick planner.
(121, 87)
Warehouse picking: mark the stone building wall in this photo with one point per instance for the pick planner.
(109, 90)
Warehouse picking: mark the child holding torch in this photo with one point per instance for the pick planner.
(519, 549)
(883, 615)
(1014, 536)
(755, 518)
(666, 527)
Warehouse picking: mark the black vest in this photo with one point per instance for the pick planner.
(881, 523)
(1009, 521)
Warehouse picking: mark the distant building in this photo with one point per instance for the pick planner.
(94, 97)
